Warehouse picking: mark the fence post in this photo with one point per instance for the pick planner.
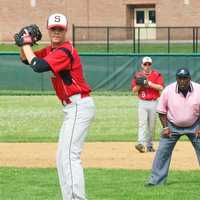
(108, 35)
(138, 39)
(133, 37)
(193, 40)
(73, 34)
(168, 44)
(197, 39)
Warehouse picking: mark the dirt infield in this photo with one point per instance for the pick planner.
(95, 155)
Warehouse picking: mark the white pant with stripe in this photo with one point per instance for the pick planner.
(147, 121)
(77, 119)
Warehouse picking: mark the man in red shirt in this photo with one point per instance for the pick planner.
(74, 93)
(148, 91)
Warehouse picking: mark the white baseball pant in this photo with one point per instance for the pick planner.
(77, 119)
(147, 121)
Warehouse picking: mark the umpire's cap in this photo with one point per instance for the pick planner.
(183, 72)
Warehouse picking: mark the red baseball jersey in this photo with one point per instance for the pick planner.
(60, 61)
(146, 93)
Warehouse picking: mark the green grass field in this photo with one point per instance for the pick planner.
(38, 119)
(12, 47)
(119, 48)
(143, 48)
(42, 184)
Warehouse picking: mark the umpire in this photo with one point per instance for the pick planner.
(179, 113)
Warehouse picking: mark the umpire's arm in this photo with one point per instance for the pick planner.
(166, 132)
(163, 119)
(162, 110)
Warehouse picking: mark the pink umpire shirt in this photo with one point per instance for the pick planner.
(180, 110)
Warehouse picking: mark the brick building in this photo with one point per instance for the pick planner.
(131, 13)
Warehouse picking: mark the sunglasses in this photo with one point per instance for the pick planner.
(147, 64)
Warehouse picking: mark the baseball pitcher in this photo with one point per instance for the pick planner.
(62, 59)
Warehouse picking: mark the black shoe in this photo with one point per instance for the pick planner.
(150, 149)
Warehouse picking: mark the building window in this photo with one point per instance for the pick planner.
(140, 17)
(152, 16)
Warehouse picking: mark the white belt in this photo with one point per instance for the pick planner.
(73, 99)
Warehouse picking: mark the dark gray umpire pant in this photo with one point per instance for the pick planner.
(163, 155)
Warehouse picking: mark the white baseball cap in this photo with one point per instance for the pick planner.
(57, 20)
(146, 59)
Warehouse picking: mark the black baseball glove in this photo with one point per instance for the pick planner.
(28, 35)
(142, 81)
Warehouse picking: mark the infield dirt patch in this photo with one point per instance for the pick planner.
(95, 155)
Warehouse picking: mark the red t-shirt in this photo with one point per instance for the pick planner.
(146, 93)
(58, 61)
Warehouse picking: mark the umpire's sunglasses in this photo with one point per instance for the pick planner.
(147, 64)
